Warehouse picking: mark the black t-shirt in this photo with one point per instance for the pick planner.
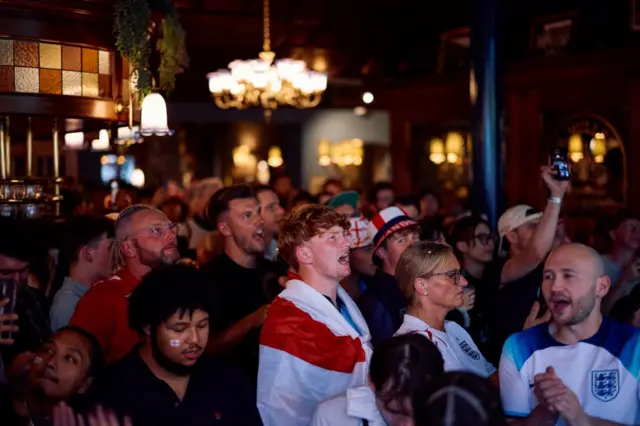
(240, 292)
(217, 394)
(512, 303)
(485, 289)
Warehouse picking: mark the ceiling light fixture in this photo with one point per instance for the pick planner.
(263, 83)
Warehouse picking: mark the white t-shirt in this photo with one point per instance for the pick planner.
(349, 409)
(602, 371)
(458, 350)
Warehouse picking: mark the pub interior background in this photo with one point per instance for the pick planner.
(567, 74)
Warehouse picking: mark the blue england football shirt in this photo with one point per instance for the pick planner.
(602, 370)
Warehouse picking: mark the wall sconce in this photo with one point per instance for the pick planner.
(436, 151)
(244, 159)
(598, 147)
(119, 106)
(324, 153)
(357, 151)
(451, 150)
(346, 153)
(576, 148)
(275, 157)
(263, 175)
(454, 146)
(102, 143)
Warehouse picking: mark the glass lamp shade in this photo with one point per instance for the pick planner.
(324, 153)
(436, 151)
(262, 174)
(576, 148)
(102, 143)
(74, 140)
(598, 145)
(454, 143)
(275, 157)
(137, 178)
(154, 116)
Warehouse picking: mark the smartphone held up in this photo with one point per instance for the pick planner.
(558, 159)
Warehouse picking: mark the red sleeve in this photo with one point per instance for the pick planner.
(92, 314)
(294, 331)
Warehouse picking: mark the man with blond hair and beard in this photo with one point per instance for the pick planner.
(144, 239)
(582, 368)
(314, 342)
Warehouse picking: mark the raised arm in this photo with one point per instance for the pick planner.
(542, 240)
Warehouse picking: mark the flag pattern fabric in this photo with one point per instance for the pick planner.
(309, 352)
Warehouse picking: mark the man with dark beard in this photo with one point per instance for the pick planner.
(240, 277)
(166, 380)
(582, 368)
(144, 239)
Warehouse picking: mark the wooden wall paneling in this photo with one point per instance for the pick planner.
(632, 147)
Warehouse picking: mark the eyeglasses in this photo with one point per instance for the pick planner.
(486, 238)
(453, 275)
(159, 230)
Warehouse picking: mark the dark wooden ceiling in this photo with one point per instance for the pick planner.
(365, 42)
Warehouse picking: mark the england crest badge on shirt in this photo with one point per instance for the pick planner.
(605, 384)
(467, 349)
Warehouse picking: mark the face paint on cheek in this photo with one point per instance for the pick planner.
(175, 343)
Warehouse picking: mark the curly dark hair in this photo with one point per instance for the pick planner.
(167, 290)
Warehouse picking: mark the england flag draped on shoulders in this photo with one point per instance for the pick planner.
(309, 352)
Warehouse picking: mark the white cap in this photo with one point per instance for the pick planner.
(517, 216)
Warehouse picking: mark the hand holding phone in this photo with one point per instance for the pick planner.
(7, 323)
(559, 161)
(557, 188)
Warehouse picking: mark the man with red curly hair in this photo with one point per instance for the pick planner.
(314, 343)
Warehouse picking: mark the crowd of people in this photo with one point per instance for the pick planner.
(262, 305)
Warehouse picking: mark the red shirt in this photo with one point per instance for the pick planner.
(102, 311)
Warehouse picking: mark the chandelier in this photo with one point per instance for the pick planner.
(265, 83)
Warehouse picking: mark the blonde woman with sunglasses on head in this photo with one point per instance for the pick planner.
(428, 275)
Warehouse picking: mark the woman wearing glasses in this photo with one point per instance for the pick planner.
(428, 275)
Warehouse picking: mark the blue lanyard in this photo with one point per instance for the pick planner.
(346, 315)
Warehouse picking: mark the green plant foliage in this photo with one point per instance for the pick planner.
(173, 53)
(131, 29)
(131, 19)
